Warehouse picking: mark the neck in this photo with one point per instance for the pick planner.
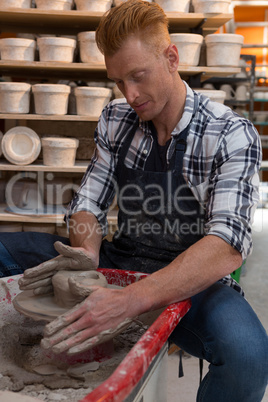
(171, 114)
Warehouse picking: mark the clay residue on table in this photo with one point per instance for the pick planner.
(24, 368)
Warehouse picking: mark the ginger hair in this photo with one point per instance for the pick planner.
(137, 18)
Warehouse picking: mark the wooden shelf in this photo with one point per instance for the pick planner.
(33, 20)
(67, 117)
(10, 217)
(79, 167)
(90, 71)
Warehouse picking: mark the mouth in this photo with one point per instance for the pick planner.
(140, 107)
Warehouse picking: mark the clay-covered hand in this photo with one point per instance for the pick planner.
(101, 316)
(39, 278)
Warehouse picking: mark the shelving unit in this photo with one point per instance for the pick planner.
(71, 23)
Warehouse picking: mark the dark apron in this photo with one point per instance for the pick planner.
(158, 218)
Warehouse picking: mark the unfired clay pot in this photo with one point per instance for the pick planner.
(59, 151)
(91, 100)
(17, 49)
(118, 2)
(89, 52)
(181, 6)
(223, 49)
(14, 97)
(211, 6)
(54, 4)
(189, 47)
(51, 98)
(93, 5)
(15, 4)
(56, 49)
(215, 95)
(21, 145)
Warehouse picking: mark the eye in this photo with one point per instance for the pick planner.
(138, 76)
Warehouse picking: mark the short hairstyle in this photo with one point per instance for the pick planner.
(133, 17)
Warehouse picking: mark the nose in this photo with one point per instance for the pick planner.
(131, 92)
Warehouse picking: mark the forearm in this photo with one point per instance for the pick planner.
(85, 232)
(204, 263)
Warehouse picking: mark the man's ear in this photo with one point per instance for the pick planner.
(172, 55)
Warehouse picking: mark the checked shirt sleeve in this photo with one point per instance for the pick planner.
(233, 190)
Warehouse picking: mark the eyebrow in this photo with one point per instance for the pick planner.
(135, 70)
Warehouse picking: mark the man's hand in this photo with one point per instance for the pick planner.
(39, 278)
(102, 315)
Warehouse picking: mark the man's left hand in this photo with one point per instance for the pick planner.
(102, 315)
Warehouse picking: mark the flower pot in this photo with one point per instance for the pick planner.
(181, 6)
(51, 98)
(93, 5)
(89, 51)
(14, 97)
(54, 4)
(91, 100)
(223, 49)
(211, 6)
(189, 47)
(56, 49)
(59, 151)
(17, 49)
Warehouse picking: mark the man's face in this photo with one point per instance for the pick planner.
(142, 76)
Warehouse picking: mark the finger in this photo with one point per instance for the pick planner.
(59, 346)
(77, 259)
(29, 284)
(64, 320)
(102, 337)
(45, 267)
(44, 290)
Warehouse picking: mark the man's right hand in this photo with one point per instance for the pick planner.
(39, 278)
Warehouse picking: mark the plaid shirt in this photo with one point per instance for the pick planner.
(220, 165)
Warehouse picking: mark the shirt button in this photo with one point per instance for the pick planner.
(145, 151)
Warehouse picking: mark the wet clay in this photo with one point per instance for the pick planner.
(72, 287)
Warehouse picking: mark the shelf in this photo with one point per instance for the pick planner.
(264, 165)
(79, 167)
(91, 71)
(33, 20)
(9, 217)
(21, 116)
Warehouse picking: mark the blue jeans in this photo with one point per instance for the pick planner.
(8, 266)
(222, 328)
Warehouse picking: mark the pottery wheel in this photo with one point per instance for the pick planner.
(41, 307)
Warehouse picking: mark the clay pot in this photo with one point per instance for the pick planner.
(17, 49)
(89, 51)
(211, 6)
(181, 6)
(93, 5)
(21, 145)
(15, 4)
(14, 97)
(59, 151)
(215, 95)
(118, 2)
(91, 100)
(51, 98)
(56, 49)
(223, 49)
(54, 4)
(189, 47)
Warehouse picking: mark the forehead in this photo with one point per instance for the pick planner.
(133, 55)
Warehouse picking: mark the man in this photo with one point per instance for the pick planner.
(185, 173)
